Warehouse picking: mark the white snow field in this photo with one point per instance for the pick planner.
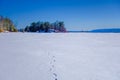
(60, 56)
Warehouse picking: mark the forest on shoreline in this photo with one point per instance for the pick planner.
(7, 25)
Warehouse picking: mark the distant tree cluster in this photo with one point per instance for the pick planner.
(57, 26)
(6, 25)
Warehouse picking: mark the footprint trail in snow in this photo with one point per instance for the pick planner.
(52, 66)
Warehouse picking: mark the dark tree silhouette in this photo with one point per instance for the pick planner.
(46, 27)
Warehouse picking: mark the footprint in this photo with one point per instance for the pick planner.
(54, 60)
(55, 74)
(50, 69)
(55, 78)
(53, 66)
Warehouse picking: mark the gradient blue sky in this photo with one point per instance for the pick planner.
(77, 14)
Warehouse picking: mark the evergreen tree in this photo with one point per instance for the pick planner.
(46, 27)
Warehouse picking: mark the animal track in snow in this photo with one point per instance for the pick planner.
(52, 64)
(54, 60)
(55, 78)
(55, 74)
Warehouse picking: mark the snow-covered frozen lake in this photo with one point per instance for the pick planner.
(60, 56)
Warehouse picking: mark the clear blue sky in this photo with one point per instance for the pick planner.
(77, 14)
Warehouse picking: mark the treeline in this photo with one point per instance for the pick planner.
(57, 26)
(7, 25)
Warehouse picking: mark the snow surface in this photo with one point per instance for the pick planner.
(60, 56)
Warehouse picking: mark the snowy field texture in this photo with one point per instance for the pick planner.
(60, 56)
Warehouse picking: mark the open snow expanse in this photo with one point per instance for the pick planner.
(60, 56)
